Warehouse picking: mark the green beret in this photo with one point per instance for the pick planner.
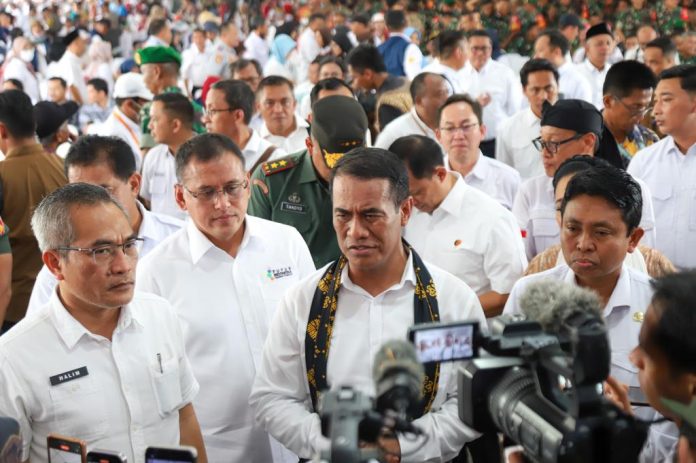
(157, 55)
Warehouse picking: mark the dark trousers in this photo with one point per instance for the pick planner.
(487, 147)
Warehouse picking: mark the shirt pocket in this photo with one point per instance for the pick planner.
(166, 386)
(79, 409)
(544, 228)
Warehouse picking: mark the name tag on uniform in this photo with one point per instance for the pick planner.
(292, 207)
(68, 376)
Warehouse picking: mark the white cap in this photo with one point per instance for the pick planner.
(377, 17)
(131, 85)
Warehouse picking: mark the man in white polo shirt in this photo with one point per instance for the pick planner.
(465, 231)
(99, 362)
(229, 107)
(281, 125)
(224, 273)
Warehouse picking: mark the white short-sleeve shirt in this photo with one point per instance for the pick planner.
(159, 178)
(497, 180)
(514, 145)
(123, 394)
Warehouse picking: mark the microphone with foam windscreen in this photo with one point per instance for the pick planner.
(398, 378)
(574, 315)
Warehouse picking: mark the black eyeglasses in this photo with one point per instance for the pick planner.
(105, 253)
(552, 146)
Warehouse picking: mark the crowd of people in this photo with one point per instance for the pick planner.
(428, 161)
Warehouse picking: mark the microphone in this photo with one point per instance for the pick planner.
(398, 379)
(574, 315)
(554, 304)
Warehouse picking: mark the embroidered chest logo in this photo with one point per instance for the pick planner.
(277, 273)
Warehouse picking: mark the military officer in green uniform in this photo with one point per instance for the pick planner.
(294, 190)
(160, 68)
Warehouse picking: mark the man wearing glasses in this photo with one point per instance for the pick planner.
(568, 128)
(224, 273)
(99, 362)
(277, 105)
(493, 84)
(628, 90)
(460, 133)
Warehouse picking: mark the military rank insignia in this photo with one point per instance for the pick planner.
(273, 167)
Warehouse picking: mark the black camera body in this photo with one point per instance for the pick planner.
(543, 391)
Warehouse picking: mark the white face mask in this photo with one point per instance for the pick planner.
(27, 55)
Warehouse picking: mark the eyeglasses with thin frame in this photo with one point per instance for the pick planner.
(634, 111)
(212, 112)
(232, 191)
(105, 253)
(552, 146)
(466, 128)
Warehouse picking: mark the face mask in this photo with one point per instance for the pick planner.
(27, 55)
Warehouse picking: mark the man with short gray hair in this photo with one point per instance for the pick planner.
(98, 362)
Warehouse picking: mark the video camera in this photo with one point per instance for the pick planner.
(543, 391)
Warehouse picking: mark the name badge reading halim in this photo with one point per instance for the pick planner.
(68, 376)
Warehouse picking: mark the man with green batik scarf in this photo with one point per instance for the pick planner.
(328, 328)
(160, 68)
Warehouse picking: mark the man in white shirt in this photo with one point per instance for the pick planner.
(669, 166)
(130, 94)
(99, 362)
(373, 293)
(281, 125)
(494, 85)
(159, 33)
(645, 34)
(660, 54)
(255, 46)
(600, 220)
(460, 133)
(229, 107)
(235, 268)
(197, 62)
(514, 145)
(568, 128)
(401, 56)
(107, 162)
(451, 58)
(465, 231)
(307, 45)
(71, 65)
(599, 45)
(428, 91)
(553, 46)
(171, 124)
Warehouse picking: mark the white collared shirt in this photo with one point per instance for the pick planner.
(362, 324)
(256, 48)
(406, 124)
(70, 68)
(255, 147)
(535, 209)
(153, 229)
(126, 398)
(497, 180)
(471, 236)
(453, 76)
(121, 126)
(572, 84)
(596, 79)
(671, 177)
(197, 65)
(514, 144)
(226, 305)
(159, 178)
(504, 88)
(294, 142)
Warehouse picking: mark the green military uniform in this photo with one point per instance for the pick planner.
(162, 55)
(631, 20)
(289, 190)
(669, 21)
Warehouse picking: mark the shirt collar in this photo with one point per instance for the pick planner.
(199, 244)
(307, 174)
(452, 203)
(621, 296)
(673, 148)
(252, 146)
(148, 229)
(408, 276)
(71, 331)
(126, 119)
(481, 168)
(299, 124)
(531, 119)
(592, 68)
(25, 150)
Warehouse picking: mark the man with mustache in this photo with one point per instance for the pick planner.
(98, 362)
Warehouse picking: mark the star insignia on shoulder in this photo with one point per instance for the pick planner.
(273, 167)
